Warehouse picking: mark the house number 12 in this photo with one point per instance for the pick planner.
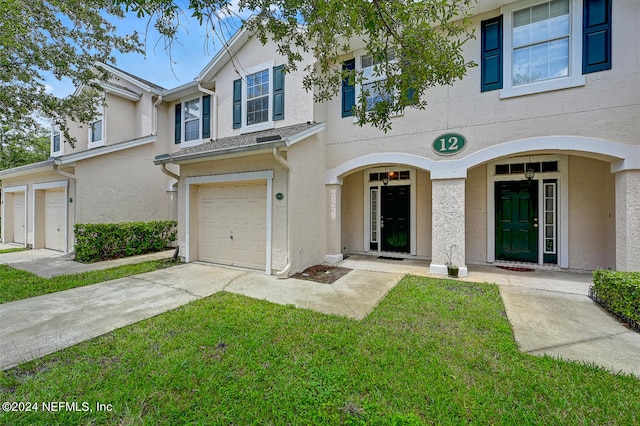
(449, 144)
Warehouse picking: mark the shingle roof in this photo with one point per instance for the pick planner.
(142, 80)
(244, 142)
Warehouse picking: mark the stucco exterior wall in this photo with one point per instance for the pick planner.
(308, 204)
(120, 118)
(423, 213)
(476, 214)
(353, 213)
(298, 103)
(122, 187)
(606, 107)
(592, 229)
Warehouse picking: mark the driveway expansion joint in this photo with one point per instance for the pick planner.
(577, 342)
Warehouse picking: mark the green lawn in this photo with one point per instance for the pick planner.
(12, 250)
(16, 284)
(433, 352)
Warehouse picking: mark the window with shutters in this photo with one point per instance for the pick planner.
(192, 121)
(258, 98)
(543, 46)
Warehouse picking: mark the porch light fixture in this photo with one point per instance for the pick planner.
(385, 179)
(529, 173)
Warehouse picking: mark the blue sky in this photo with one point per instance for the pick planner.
(189, 54)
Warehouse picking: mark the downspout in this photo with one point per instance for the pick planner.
(155, 115)
(214, 105)
(285, 272)
(163, 168)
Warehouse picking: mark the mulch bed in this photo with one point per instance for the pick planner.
(323, 274)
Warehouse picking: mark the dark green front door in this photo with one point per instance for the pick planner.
(394, 218)
(517, 221)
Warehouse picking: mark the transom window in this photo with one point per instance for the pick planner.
(541, 39)
(191, 120)
(258, 97)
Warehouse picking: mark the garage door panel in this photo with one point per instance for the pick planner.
(18, 217)
(54, 218)
(232, 224)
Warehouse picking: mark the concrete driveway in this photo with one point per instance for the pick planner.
(41, 325)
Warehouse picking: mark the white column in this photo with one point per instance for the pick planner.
(334, 223)
(628, 220)
(447, 221)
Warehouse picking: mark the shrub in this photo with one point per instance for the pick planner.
(619, 293)
(102, 241)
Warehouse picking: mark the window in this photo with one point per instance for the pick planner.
(191, 114)
(96, 130)
(540, 42)
(258, 98)
(56, 141)
(193, 121)
(542, 45)
(372, 79)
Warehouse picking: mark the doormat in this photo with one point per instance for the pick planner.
(399, 259)
(516, 269)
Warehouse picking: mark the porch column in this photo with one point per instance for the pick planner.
(447, 222)
(334, 223)
(628, 220)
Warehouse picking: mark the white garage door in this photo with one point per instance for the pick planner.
(54, 218)
(232, 224)
(18, 217)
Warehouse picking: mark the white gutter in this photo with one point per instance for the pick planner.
(214, 105)
(285, 272)
(155, 115)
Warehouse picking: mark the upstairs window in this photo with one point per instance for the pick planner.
(193, 121)
(373, 78)
(540, 46)
(56, 141)
(96, 130)
(541, 42)
(258, 97)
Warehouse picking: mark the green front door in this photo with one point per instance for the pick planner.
(394, 218)
(517, 220)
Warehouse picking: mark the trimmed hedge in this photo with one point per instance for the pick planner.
(103, 241)
(619, 293)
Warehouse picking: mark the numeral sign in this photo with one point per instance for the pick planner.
(449, 144)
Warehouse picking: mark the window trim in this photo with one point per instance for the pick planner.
(575, 77)
(55, 131)
(358, 55)
(269, 124)
(102, 118)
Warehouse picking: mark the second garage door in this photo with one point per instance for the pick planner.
(18, 217)
(232, 224)
(54, 218)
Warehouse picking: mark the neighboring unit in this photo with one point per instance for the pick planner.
(107, 177)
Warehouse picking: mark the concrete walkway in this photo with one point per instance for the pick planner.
(549, 311)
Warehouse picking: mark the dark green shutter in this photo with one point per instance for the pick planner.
(206, 116)
(491, 57)
(178, 127)
(237, 103)
(278, 93)
(596, 36)
(348, 90)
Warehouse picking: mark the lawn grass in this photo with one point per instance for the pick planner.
(12, 250)
(433, 352)
(16, 284)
